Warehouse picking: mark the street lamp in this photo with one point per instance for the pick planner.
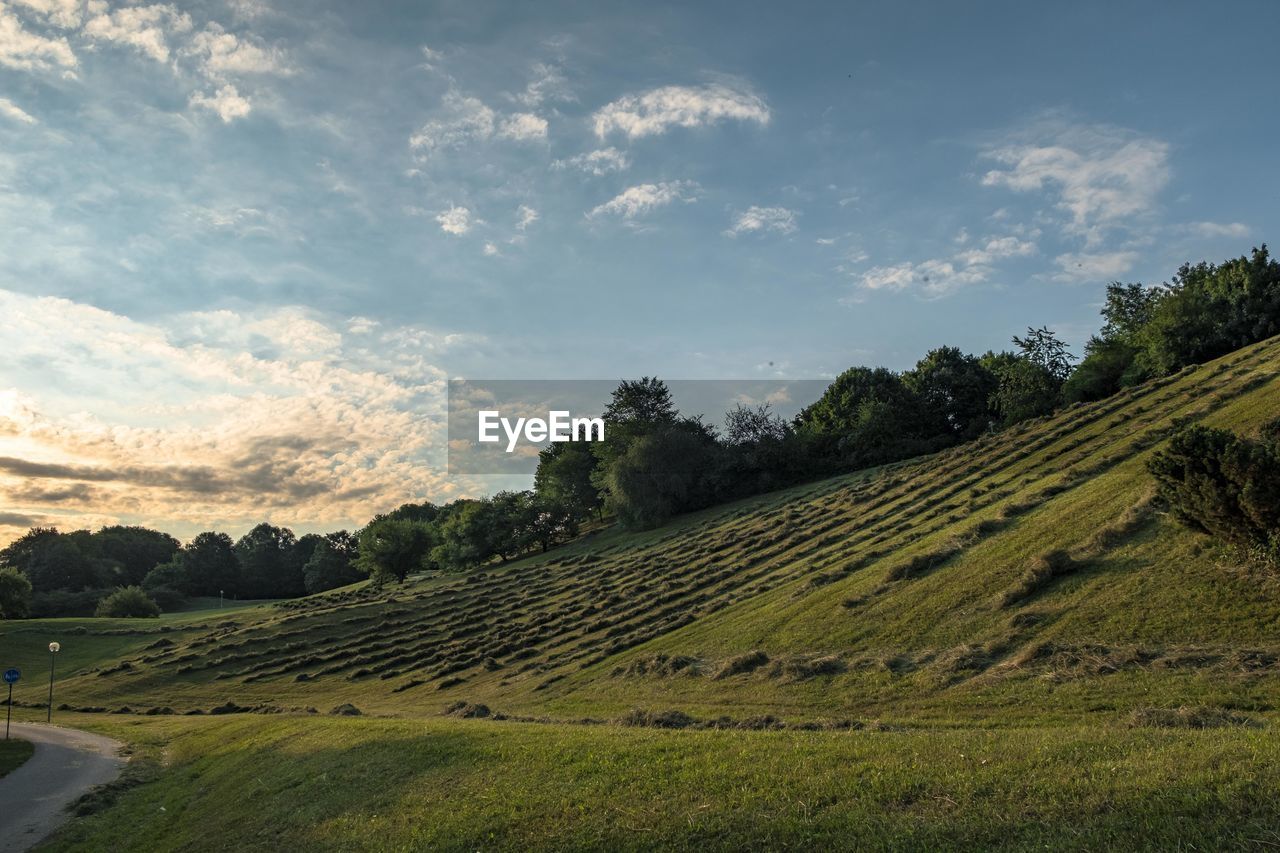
(54, 648)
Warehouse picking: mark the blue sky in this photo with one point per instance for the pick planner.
(244, 243)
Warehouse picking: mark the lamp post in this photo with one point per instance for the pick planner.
(54, 648)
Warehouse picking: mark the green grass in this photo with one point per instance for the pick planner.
(364, 784)
(13, 753)
(913, 597)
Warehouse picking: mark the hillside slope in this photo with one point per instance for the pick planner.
(929, 588)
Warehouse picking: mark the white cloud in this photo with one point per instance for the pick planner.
(60, 13)
(1100, 266)
(643, 198)
(658, 110)
(10, 110)
(934, 277)
(547, 83)
(222, 54)
(226, 102)
(757, 218)
(525, 216)
(27, 51)
(465, 119)
(1220, 229)
(145, 28)
(455, 220)
(940, 276)
(523, 127)
(996, 249)
(1101, 177)
(599, 162)
(490, 248)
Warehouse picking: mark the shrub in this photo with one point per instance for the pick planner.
(126, 602)
(1224, 484)
(15, 594)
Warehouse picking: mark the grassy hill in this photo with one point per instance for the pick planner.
(1017, 597)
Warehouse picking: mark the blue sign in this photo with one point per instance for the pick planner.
(11, 675)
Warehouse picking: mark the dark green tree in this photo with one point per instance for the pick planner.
(954, 390)
(268, 565)
(15, 594)
(331, 563)
(564, 479)
(210, 566)
(393, 548)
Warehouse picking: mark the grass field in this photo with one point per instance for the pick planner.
(465, 785)
(12, 753)
(844, 657)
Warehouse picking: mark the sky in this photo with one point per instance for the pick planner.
(244, 244)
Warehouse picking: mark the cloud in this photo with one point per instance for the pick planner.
(658, 110)
(464, 120)
(59, 13)
(455, 220)
(144, 28)
(644, 198)
(547, 83)
(1220, 229)
(523, 127)
(1101, 177)
(600, 162)
(939, 276)
(490, 248)
(216, 419)
(26, 51)
(222, 54)
(10, 110)
(1100, 266)
(226, 102)
(996, 249)
(525, 216)
(755, 218)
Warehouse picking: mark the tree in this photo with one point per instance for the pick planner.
(210, 566)
(1042, 348)
(663, 473)
(1210, 310)
(392, 548)
(127, 602)
(753, 425)
(15, 594)
(331, 563)
(865, 417)
(1025, 389)
(564, 479)
(645, 401)
(469, 536)
(955, 392)
(267, 563)
(135, 550)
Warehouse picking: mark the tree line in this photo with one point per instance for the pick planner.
(656, 462)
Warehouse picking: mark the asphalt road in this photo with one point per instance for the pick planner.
(66, 764)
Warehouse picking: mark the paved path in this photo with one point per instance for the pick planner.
(66, 764)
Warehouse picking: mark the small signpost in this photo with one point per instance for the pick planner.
(11, 675)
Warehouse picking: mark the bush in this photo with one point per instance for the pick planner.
(15, 594)
(1226, 485)
(167, 598)
(127, 602)
(61, 602)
